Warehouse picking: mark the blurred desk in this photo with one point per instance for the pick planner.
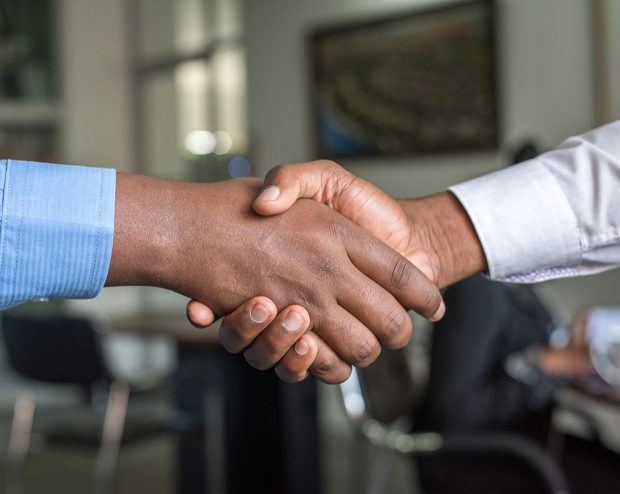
(270, 427)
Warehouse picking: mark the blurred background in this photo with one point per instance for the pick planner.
(413, 95)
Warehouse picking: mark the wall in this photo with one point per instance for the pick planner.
(546, 87)
(546, 82)
(97, 125)
(95, 81)
(613, 20)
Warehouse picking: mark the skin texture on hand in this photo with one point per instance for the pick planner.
(356, 199)
(204, 241)
(443, 238)
(434, 233)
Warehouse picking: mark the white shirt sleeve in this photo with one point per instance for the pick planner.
(555, 216)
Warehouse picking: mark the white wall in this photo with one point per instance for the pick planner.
(613, 30)
(546, 91)
(545, 83)
(96, 107)
(95, 81)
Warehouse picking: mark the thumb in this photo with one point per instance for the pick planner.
(285, 184)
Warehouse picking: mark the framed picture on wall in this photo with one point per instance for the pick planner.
(420, 82)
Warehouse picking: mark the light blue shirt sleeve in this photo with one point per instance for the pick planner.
(56, 230)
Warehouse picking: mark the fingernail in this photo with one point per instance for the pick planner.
(259, 313)
(293, 321)
(301, 348)
(440, 312)
(271, 193)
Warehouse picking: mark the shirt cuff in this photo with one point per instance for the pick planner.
(525, 224)
(57, 227)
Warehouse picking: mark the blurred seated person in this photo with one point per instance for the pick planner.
(493, 368)
(589, 362)
(492, 361)
(469, 388)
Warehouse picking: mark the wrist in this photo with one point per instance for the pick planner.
(147, 231)
(442, 229)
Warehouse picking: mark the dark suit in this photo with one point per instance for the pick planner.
(484, 323)
(469, 391)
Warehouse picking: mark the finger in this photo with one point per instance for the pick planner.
(348, 337)
(199, 314)
(328, 366)
(287, 183)
(394, 273)
(377, 309)
(274, 341)
(320, 361)
(295, 365)
(241, 327)
(328, 183)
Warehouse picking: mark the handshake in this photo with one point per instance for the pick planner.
(313, 270)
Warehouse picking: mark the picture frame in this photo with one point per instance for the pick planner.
(419, 82)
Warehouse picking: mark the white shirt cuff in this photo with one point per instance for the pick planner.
(525, 223)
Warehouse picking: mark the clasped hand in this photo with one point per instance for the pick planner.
(349, 286)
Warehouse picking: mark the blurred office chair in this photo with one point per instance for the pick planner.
(374, 409)
(67, 350)
(584, 436)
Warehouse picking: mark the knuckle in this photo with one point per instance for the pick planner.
(277, 173)
(396, 330)
(333, 168)
(306, 300)
(432, 299)
(337, 377)
(255, 361)
(329, 164)
(330, 266)
(401, 272)
(288, 375)
(366, 353)
(340, 232)
(325, 367)
(229, 340)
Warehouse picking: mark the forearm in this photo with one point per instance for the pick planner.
(444, 229)
(146, 230)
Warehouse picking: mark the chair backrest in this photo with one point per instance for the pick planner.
(58, 349)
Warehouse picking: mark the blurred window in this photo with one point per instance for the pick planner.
(190, 88)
